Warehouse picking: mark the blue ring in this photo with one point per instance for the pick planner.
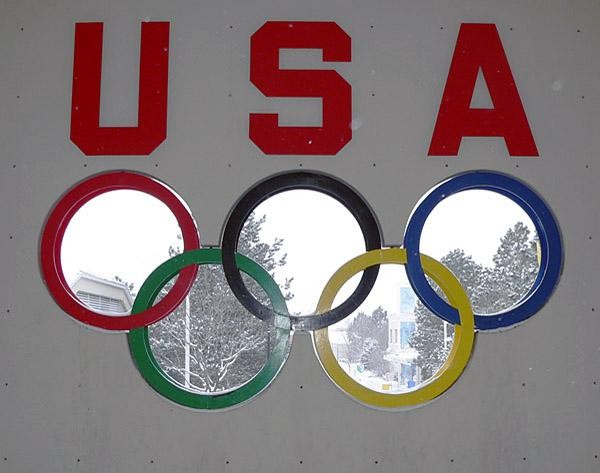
(545, 225)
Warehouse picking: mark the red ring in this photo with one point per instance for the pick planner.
(54, 230)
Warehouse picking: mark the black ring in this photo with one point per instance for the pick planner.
(330, 186)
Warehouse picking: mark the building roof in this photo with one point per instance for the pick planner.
(107, 282)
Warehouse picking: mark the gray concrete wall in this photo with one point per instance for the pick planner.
(71, 398)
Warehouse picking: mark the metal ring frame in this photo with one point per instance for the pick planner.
(545, 225)
(458, 357)
(291, 181)
(150, 369)
(458, 311)
(54, 231)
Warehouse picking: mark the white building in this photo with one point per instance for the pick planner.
(401, 326)
(103, 295)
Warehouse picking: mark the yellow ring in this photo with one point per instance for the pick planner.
(464, 334)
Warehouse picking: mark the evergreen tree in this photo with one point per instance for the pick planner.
(428, 338)
(368, 339)
(515, 269)
(372, 356)
(489, 289)
(226, 345)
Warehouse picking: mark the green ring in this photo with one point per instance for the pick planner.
(139, 343)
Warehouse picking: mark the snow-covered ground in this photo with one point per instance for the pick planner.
(372, 380)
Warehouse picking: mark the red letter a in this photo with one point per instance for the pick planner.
(151, 131)
(479, 46)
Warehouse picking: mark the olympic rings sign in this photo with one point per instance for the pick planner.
(456, 311)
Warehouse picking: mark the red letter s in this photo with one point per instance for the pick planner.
(336, 93)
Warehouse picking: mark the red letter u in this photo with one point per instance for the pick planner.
(151, 130)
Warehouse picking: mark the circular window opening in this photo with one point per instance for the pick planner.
(211, 344)
(489, 243)
(112, 243)
(392, 343)
(302, 237)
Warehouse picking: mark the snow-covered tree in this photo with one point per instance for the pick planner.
(428, 338)
(515, 269)
(372, 356)
(489, 290)
(219, 345)
(368, 339)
